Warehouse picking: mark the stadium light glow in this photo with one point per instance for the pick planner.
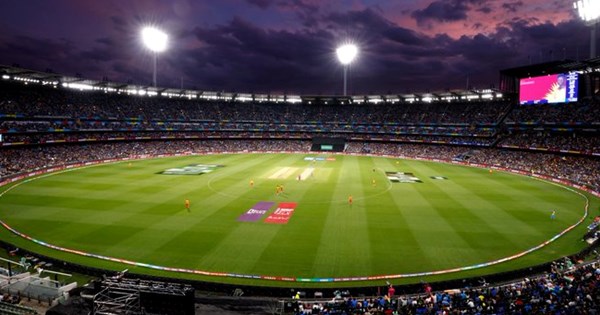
(589, 12)
(78, 86)
(156, 41)
(346, 54)
(294, 100)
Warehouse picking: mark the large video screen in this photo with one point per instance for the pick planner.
(554, 88)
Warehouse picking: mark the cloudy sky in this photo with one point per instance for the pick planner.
(284, 46)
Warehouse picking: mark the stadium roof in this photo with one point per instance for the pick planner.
(552, 67)
(77, 82)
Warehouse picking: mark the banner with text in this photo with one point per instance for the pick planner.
(256, 212)
(282, 214)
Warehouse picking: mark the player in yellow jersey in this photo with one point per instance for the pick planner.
(187, 204)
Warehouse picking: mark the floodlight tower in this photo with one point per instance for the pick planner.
(346, 54)
(156, 41)
(589, 12)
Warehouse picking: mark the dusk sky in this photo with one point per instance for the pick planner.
(282, 46)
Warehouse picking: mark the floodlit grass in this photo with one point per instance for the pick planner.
(130, 211)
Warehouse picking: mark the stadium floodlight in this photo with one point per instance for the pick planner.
(346, 54)
(156, 41)
(589, 12)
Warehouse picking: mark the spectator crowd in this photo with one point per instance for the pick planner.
(564, 289)
(98, 126)
(39, 102)
(38, 114)
(580, 169)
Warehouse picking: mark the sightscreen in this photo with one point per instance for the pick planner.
(328, 144)
(554, 88)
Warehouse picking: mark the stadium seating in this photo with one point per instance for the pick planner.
(46, 127)
(15, 309)
(36, 115)
(565, 289)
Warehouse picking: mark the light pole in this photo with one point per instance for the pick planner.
(156, 41)
(346, 54)
(589, 12)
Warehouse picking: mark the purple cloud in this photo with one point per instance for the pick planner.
(254, 50)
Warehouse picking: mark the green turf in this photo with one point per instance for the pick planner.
(128, 210)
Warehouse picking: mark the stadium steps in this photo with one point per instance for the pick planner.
(7, 308)
(499, 126)
(503, 118)
(495, 143)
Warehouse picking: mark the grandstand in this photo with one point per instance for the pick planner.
(41, 108)
(9, 308)
(50, 122)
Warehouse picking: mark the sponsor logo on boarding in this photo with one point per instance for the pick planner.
(401, 177)
(319, 158)
(194, 169)
(314, 158)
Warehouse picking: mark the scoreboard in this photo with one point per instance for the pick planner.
(549, 89)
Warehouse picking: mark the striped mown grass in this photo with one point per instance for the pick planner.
(129, 210)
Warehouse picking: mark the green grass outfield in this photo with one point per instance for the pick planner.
(130, 211)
